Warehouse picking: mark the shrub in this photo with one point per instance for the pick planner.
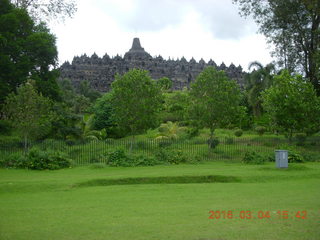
(14, 160)
(39, 160)
(295, 157)
(170, 156)
(213, 142)
(119, 158)
(260, 130)
(238, 133)
(252, 157)
(142, 160)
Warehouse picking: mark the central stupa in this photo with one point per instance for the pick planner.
(137, 52)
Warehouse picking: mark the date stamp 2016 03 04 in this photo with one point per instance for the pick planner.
(247, 214)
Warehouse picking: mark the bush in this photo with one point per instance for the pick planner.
(260, 130)
(142, 160)
(119, 158)
(238, 133)
(14, 160)
(170, 156)
(295, 157)
(39, 160)
(213, 142)
(252, 157)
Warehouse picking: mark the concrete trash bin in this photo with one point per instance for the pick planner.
(281, 158)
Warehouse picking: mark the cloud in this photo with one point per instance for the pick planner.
(220, 17)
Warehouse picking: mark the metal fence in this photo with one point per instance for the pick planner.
(86, 152)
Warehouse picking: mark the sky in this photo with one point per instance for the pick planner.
(208, 29)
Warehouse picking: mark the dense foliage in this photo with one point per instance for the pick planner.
(29, 112)
(27, 51)
(136, 101)
(293, 27)
(37, 159)
(292, 105)
(214, 99)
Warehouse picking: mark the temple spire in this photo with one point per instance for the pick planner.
(136, 45)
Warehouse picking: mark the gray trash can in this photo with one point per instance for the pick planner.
(281, 158)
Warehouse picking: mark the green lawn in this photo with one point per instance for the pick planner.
(83, 202)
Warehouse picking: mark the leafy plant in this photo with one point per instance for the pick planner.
(252, 157)
(170, 156)
(49, 159)
(260, 130)
(238, 133)
(14, 160)
(295, 157)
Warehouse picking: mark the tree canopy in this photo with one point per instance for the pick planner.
(47, 10)
(214, 99)
(27, 51)
(292, 105)
(293, 27)
(29, 112)
(136, 101)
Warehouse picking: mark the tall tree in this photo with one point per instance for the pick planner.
(214, 99)
(294, 29)
(292, 105)
(47, 10)
(26, 51)
(29, 112)
(136, 101)
(257, 81)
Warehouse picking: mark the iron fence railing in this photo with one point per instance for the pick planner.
(85, 152)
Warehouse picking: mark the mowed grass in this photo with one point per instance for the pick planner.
(159, 203)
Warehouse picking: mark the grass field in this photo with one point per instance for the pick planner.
(158, 203)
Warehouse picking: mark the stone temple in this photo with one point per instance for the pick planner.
(100, 72)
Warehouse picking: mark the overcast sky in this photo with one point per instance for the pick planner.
(208, 29)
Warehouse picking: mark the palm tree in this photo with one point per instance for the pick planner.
(258, 80)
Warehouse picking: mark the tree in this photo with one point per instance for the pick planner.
(169, 131)
(46, 10)
(292, 105)
(175, 106)
(214, 99)
(136, 101)
(164, 83)
(294, 29)
(26, 51)
(29, 112)
(103, 116)
(257, 81)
